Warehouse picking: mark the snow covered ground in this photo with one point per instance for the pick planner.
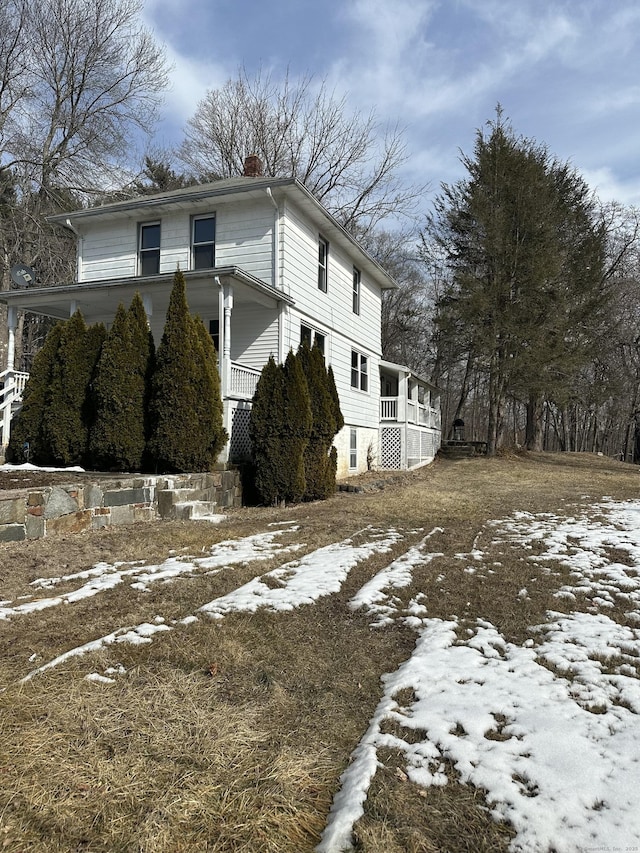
(548, 729)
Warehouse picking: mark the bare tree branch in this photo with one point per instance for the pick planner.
(301, 129)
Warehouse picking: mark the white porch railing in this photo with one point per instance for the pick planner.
(13, 383)
(388, 408)
(243, 381)
(416, 413)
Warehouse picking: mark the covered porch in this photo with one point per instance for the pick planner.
(242, 313)
(410, 419)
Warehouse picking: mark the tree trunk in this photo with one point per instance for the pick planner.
(535, 410)
(464, 393)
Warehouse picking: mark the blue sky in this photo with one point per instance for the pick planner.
(566, 73)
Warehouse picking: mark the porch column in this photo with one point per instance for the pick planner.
(227, 309)
(403, 392)
(12, 322)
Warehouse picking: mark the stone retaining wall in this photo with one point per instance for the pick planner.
(35, 512)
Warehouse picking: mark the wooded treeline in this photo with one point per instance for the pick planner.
(518, 292)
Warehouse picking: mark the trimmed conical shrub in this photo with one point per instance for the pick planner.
(27, 425)
(182, 438)
(319, 462)
(296, 428)
(68, 413)
(117, 439)
(143, 354)
(335, 400)
(265, 431)
(210, 410)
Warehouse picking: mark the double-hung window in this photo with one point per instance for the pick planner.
(323, 263)
(359, 371)
(356, 291)
(149, 248)
(203, 242)
(311, 337)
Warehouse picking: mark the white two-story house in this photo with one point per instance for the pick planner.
(266, 267)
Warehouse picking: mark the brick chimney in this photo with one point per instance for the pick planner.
(253, 166)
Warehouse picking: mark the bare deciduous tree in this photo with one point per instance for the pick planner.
(78, 79)
(302, 130)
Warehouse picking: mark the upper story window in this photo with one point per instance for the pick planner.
(356, 291)
(149, 248)
(359, 371)
(323, 263)
(203, 242)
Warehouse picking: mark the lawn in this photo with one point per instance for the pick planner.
(448, 663)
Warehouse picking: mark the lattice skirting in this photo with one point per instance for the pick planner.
(240, 444)
(391, 448)
(421, 447)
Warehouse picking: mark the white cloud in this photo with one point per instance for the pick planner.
(609, 187)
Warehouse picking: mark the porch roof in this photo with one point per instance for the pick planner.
(394, 368)
(98, 300)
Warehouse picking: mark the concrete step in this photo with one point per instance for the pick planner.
(168, 498)
(190, 510)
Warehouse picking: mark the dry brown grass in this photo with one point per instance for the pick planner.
(231, 735)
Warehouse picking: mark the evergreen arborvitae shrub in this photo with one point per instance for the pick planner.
(266, 426)
(117, 439)
(319, 463)
(68, 412)
(181, 439)
(297, 425)
(210, 410)
(335, 400)
(143, 353)
(27, 425)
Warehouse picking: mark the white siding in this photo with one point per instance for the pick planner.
(244, 238)
(331, 313)
(109, 251)
(254, 335)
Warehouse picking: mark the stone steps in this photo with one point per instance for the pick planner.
(192, 510)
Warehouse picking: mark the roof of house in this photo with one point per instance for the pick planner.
(190, 198)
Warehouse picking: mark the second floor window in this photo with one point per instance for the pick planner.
(356, 291)
(203, 242)
(149, 249)
(323, 263)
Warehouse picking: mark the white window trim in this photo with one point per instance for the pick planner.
(195, 219)
(362, 374)
(323, 268)
(141, 251)
(356, 291)
(353, 449)
(314, 332)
